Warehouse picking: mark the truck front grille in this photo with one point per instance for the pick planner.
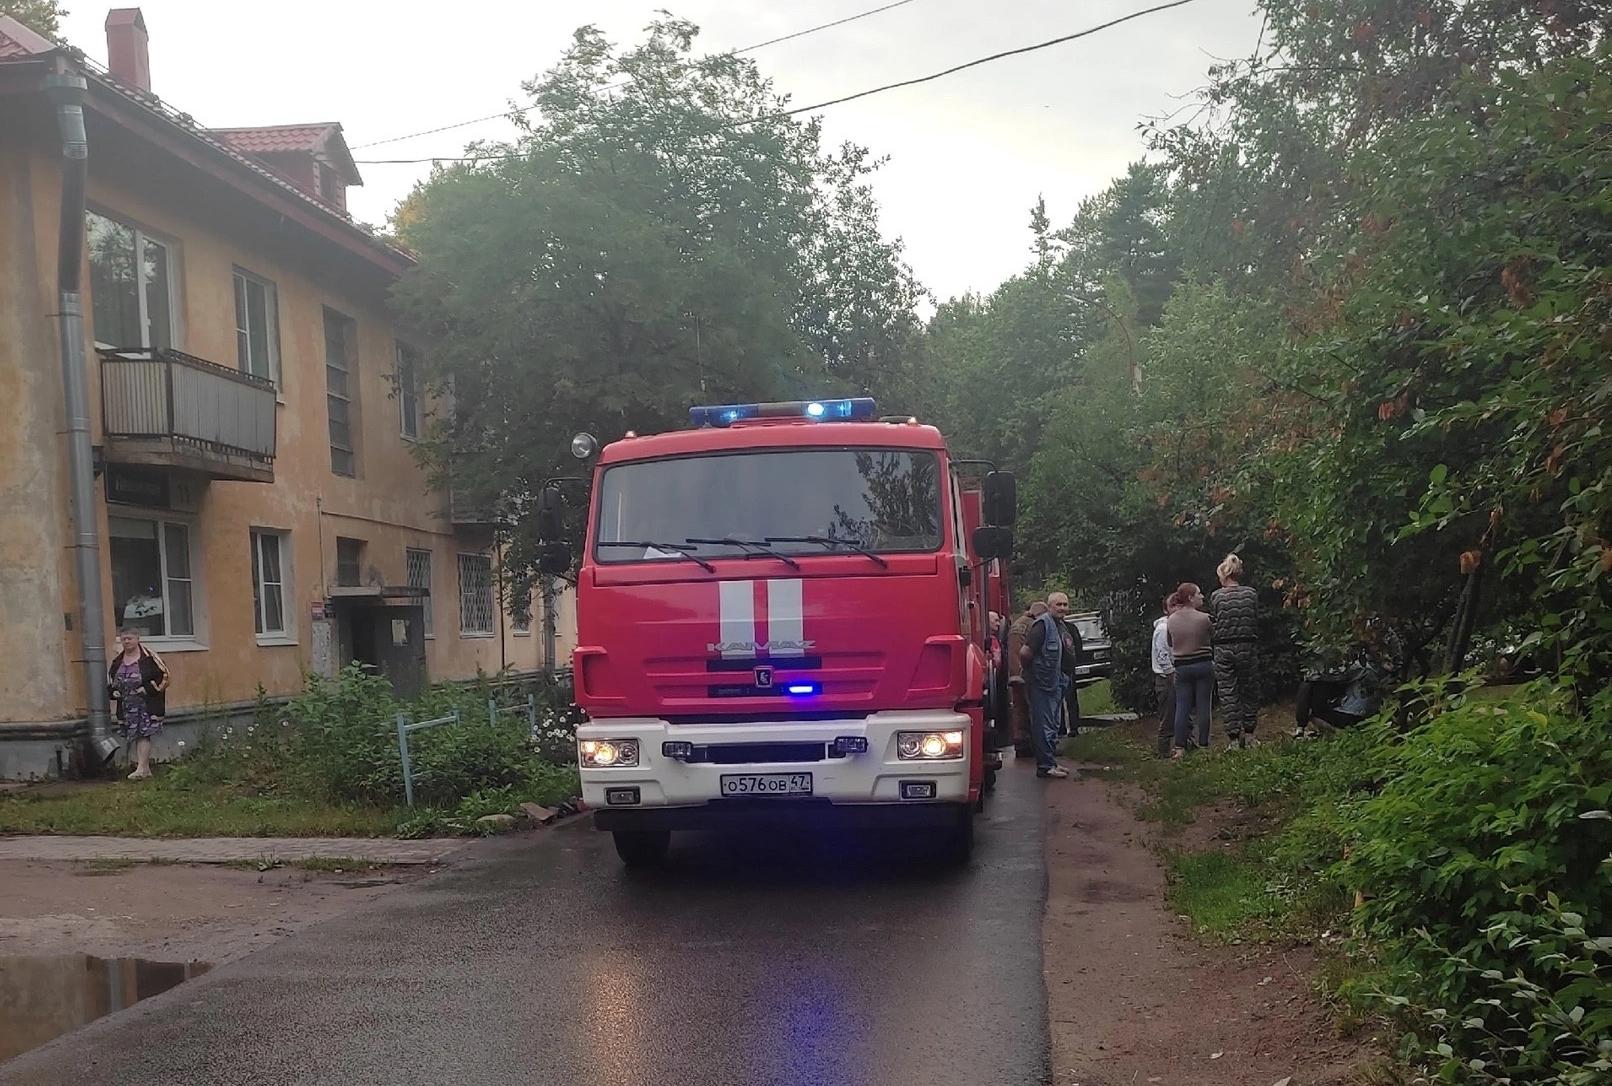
(752, 753)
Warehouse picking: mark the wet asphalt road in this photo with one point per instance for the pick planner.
(745, 962)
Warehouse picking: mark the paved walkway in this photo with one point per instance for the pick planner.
(221, 850)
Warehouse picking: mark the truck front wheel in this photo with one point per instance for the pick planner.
(642, 848)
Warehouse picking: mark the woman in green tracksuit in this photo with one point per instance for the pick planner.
(1234, 607)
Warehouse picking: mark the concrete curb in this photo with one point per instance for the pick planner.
(223, 850)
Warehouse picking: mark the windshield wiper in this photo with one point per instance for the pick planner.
(831, 541)
(757, 550)
(676, 550)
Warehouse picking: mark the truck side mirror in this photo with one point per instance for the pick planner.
(548, 514)
(1001, 499)
(991, 541)
(554, 558)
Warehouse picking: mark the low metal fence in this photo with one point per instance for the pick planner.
(405, 728)
(530, 706)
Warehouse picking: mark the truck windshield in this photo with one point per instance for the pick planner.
(884, 500)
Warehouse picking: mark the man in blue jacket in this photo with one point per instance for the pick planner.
(1042, 656)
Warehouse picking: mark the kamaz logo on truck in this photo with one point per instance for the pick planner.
(757, 648)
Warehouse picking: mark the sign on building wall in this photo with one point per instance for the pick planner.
(130, 486)
(151, 489)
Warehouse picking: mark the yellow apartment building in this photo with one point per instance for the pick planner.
(257, 511)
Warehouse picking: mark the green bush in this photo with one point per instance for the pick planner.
(344, 739)
(1485, 857)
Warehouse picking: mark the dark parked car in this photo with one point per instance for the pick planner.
(1096, 650)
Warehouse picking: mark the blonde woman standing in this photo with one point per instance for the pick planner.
(137, 682)
(1234, 607)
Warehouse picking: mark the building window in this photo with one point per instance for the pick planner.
(153, 583)
(341, 390)
(131, 285)
(257, 331)
(270, 557)
(417, 565)
(408, 395)
(475, 594)
(349, 562)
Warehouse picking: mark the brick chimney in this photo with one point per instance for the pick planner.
(126, 48)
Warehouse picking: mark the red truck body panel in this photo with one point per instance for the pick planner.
(666, 638)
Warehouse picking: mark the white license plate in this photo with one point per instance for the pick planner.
(767, 784)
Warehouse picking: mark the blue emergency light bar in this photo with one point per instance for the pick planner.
(855, 409)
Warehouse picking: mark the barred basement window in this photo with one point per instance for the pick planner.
(475, 594)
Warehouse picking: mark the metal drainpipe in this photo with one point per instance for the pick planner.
(68, 90)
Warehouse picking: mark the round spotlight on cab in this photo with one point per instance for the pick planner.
(584, 445)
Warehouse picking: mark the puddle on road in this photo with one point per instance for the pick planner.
(42, 998)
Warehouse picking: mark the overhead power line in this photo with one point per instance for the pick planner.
(1049, 43)
(730, 53)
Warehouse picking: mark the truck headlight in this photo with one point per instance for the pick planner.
(929, 746)
(607, 753)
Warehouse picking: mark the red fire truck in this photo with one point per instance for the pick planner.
(779, 620)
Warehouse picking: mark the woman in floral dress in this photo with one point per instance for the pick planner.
(137, 681)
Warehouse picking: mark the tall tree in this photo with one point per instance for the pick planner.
(41, 16)
(658, 235)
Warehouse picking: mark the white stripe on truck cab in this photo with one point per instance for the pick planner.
(738, 619)
(786, 633)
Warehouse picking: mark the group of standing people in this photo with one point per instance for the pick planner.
(1197, 649)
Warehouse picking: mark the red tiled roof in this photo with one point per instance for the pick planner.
(323, 138)
(17, 40)
(279, 138)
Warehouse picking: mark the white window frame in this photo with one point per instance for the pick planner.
(287, 635)
(271, 310)
(350, 397)
(196, 640)
(408, 391)
(141, 237)
(490, 607)
(428, 617)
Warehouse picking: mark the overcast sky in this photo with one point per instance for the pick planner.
(968, 153)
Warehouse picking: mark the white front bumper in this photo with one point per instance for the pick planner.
(874, 777)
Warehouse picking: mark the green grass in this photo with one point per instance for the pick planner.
(1280, 800)
(1173, 790)
(1098, 700)
(1226, 895)
(160, 808)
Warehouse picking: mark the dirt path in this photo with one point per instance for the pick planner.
(1134, 999)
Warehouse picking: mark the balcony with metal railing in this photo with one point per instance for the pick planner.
(165, 408)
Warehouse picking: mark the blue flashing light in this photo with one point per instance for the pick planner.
(853, 409)
(802, 690)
